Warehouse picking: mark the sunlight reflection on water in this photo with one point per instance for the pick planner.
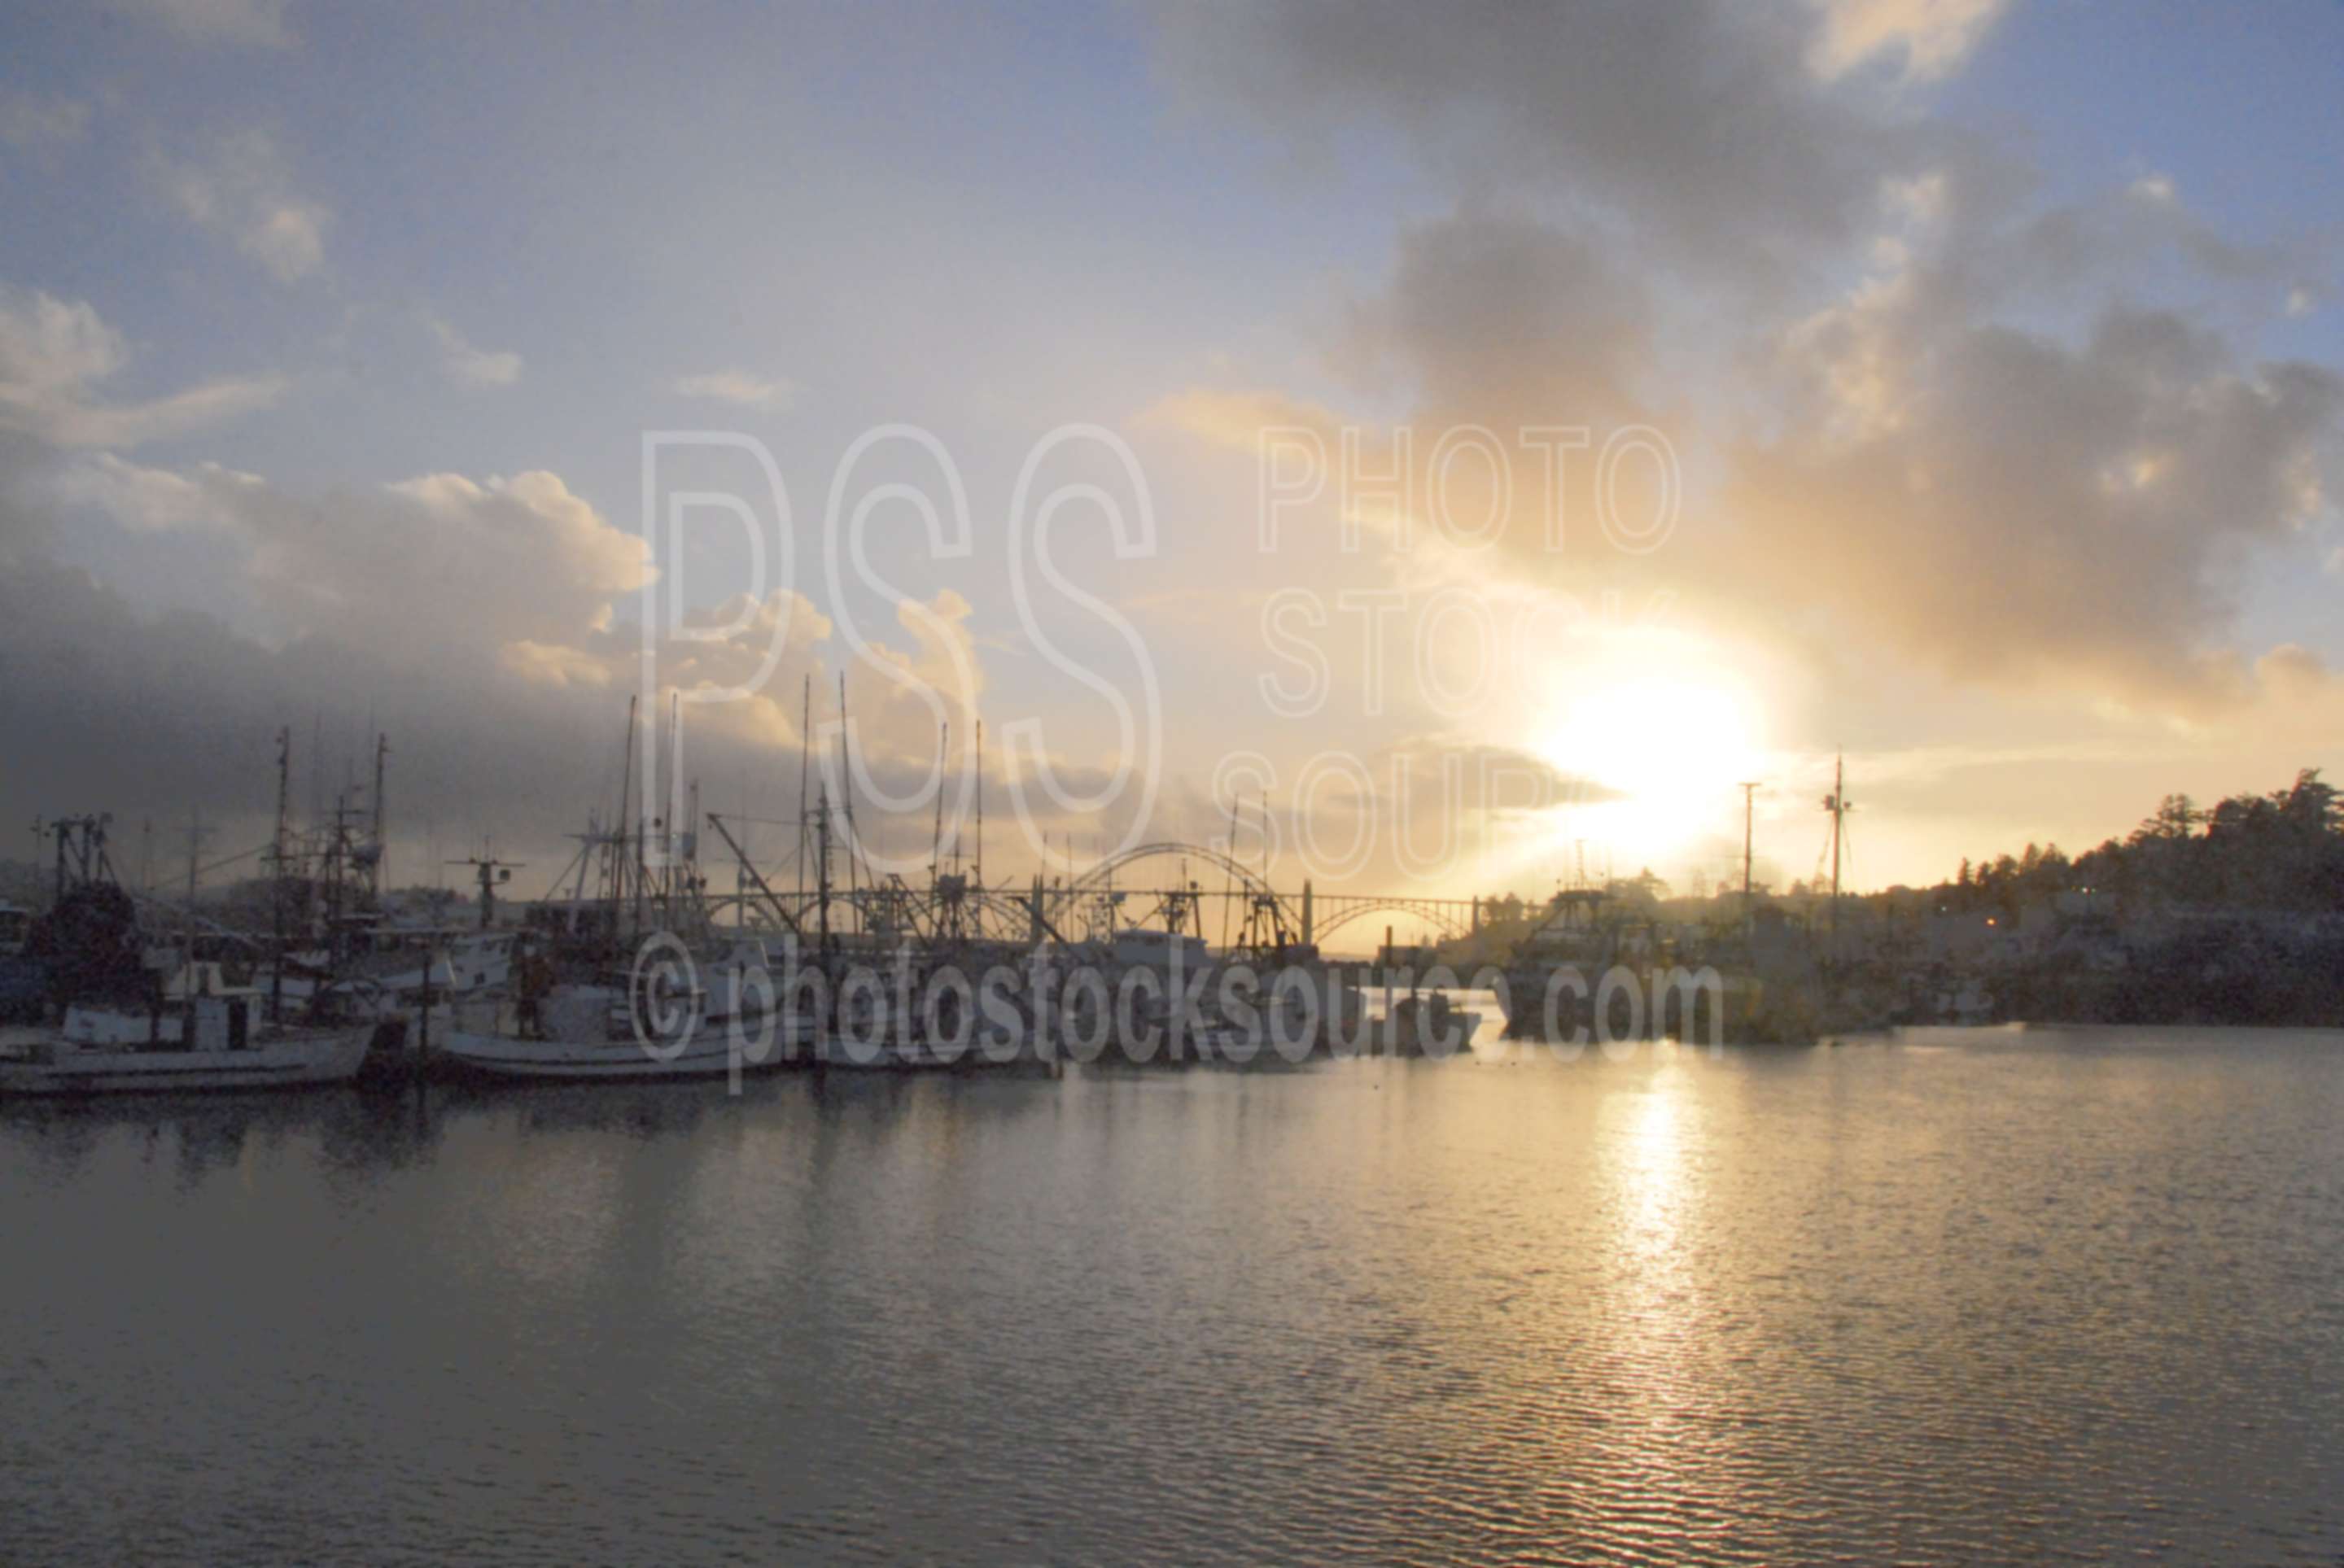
(1950, 1297)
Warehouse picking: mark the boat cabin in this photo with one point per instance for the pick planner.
(16, 928)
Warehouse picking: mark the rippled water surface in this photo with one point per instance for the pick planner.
(1999, 1296)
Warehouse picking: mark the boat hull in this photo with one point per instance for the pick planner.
(307, 1059)
(710, 1052)
(862, 1055)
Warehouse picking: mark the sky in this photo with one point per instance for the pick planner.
(1431, 449)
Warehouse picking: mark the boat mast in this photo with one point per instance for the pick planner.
(276, 883)
(381, 850)
(1228, 875)
(936, 838)
(822, 874)
(671, 844)
(616, 880)
(1263, 799)
(846, 788)
(630, 828)
(195, 841)
(805, 755)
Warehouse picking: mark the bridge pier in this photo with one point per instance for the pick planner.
(1309, 917)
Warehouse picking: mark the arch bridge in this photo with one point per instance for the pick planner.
(1099, 898)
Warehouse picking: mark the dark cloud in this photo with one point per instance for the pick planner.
(472, 623)
(1493, 315)
(1705, 125)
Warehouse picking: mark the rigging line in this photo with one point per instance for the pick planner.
(232, 859)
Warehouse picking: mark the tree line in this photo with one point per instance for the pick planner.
(2280, 850)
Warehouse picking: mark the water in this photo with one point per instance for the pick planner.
(1989, 1297)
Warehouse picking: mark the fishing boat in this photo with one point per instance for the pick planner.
(928, 1009)
(640, 1026)
(220, 1040)
(129, 1027)
(617, 1054)
(403, 964)
(1548, 980)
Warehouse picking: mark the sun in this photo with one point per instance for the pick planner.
(1661, 753)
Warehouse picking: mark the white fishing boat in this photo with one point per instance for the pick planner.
(703, 1053)
(391, 981)
(640, 1030)
(222, 1043)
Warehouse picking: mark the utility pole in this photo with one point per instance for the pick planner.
(1749, 799)
(1836, 804)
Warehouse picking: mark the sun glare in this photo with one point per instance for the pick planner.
(1662, 754)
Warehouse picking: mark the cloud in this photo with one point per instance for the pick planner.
(241, 191)
(472, 620)
(1493, 314)
(737, 387)
(1703, 122)
(462, 564)
(158, 500)
(1236, 420)
(258, 21)
(2021, 511)
(1931, 37)
(469, 366)
(1972, 457)
(41, 122)
(53, 355)
(1493, 324)
(521, 575)
(2027, 507)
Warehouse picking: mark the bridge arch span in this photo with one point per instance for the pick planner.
(1334, 911)
(1096, 879)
